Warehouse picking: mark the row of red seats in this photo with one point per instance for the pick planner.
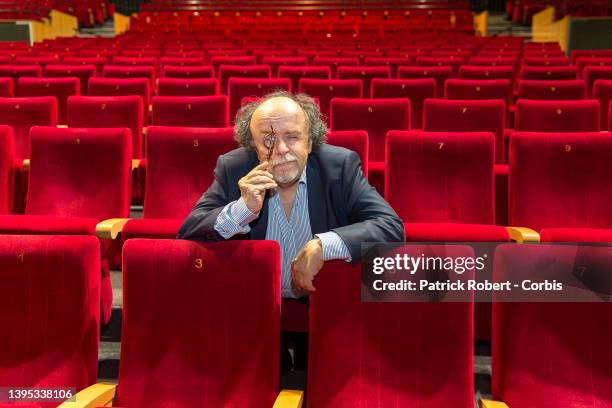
(167, 327)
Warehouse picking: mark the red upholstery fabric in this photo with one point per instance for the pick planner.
(217, 61)
(164, 286)
(557, 116)
(375, 116)
(479, 89)
(7, 87)
(225, 72)
(488, 72)
(47, 224)
(365, 74)
(49, 298)
(164, 228)
(334, 62)
(455, 63)
(468, 115)
(121, 71)
(135, 61)
(583, 62)
(589, 53)
(576, 235)
(177, 71)
(386, 354)
(393, 63)
(180, 164)
(122, 87)
(566, 89)
(98, 62)
(22, 114)
(592, 73)
(60, 88)
(183, 62)
(493, 62)
(417, 90)
(326, 89)
(35, 60)
(560, 180)
(109, 111)
(602, 91)
(455, 232)
(7, 176)
(441, 177)
(540, 62)
(239, 88)
(195, 111)
(82, 72)
(276, 62)
(557, 73)
(569, 364)
(295, 73)
(187, 86)
(440, 74)
(355, 140)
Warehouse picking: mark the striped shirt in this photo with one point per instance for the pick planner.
(291, 233)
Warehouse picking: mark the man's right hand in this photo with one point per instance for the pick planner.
(253, 187)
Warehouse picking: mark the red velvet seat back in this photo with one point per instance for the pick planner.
(239, 88)
(183, 61)
(128, 71)
(417, 90)
(50, 308)
(440, 74)
(80, 173)
(557, 73)
(7, 87)
(178, 71)
(60, 88)
(547, 90)
(180, 167)
(355, 140)
(7, 155)
(365, 74)
(583, 62)
(487, 72)
(560, 180)
(393, 63)
(122, 87)
(453, 62)
(326, 89)
(276, 62)
(557, 116)
(22, 114)
(479, 89)
(17, 71)
(602, 91)
(386, 354)
(209, 354)
(218, 60)
(334, 62)
(547, 355)
(191, 111)
(295, 73)
(592, 73)
(441, 177)
(468, 115)
(82, 72)
(98, 62)
(187, 86)
(109, 111)
(241, 71)
(375, 116)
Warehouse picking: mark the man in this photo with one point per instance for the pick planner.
(287, 185)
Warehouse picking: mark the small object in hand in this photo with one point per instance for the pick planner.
(269, 142)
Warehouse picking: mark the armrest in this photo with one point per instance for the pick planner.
(110, 228)
(26, 164)
(135, 163)
(62, 126)
(484, 403)
(97, 395)
(523, 235)
(289, 399)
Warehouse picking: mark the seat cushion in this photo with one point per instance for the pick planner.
(151, 228)
(576, 235)
(428, 232)
(44, 224)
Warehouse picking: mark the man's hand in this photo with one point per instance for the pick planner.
(306, 264)
(253, 187)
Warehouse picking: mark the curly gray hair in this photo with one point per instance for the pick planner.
(316, 126)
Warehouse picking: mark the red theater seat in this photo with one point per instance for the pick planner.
(393, 63)
(7, 175)
(187, 87)
(375, 354)
(556, 73)
(557, 116)
(217, 61)
(546, 62)
(567, 89)
(17, 71)
(479, 89)
(490, 72)
(276, 62)
(225, 72)
(123, 87)
(82, 72)
(440, 74)
(78, 177)
(60, 88)
(592, 73)
(98, 62)
(191, 111)
(180, 168)
(334, 62)
(176, 71)
(583, 62)
(365, 74)
(7, 87)
(295, 73)
(327, 89)
(455, 63)
(441, 185)
(177, 363)
(602, 91)
(182, 62)
(355, 140)
(239, 88)
(109, 112)
(417, 90)
(120, 71)
(561, 181)
(50, 300)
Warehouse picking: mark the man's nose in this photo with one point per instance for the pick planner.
(281, 147)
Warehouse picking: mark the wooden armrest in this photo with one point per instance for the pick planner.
(523, 235)
(26, 164)
(110, 228)
(485, 403)
(97, 395)
(289, 399)
(135, 163)
(62, 126)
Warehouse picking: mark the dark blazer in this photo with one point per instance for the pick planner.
(339, 199)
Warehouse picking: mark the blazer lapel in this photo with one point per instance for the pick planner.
(316, 199)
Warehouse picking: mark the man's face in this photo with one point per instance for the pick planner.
(292, 140)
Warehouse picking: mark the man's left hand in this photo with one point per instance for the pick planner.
(306, 264)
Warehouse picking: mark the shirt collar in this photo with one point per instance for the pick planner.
(303, 177)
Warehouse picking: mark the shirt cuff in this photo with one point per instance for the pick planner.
(240, 213)
(333, 247)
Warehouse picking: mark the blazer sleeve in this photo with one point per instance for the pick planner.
(200, 223)
(370, 217)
